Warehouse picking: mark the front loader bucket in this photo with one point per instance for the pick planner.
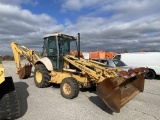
(25, 72)
(116, 92)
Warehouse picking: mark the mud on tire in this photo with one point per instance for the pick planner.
(69, 88)
(41, 76)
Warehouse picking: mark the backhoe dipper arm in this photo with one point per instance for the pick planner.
(24, 51)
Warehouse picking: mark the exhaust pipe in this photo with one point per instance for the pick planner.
(78, 47)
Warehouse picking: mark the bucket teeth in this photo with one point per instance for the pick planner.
(25, 72)
(133, 72)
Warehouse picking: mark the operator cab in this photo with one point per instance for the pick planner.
(56, 46)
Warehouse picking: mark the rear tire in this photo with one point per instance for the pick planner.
(41, 76)
(150, 75)
(69, 88)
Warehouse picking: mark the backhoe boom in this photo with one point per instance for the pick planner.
(29, 54)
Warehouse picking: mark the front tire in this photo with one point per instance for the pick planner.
(150, 75)
(41, 76)
(69, 88)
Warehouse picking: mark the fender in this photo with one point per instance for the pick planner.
(47, 62)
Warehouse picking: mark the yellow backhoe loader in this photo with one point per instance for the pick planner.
(9, 103)
(114, 86)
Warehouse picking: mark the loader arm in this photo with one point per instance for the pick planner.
(114, 86)
(97, 72)
(29, 54)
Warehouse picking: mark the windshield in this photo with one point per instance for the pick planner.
(119, 63)
(104, 61)
(73, 45)
(66, 44)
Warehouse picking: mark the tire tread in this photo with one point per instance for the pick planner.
(75, 87)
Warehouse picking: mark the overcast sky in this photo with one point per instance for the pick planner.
(104, 24)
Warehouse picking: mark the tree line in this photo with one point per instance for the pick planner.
(6, 58)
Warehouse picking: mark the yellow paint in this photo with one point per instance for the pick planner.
(57, 77)
(67, 88)
(29, 54)
(38, 76)
(2, 77)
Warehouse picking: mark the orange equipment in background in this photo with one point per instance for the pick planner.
(110, 55)
(97, 55)
(101, 55)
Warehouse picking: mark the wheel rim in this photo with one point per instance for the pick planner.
(67, 88)
(38, 76)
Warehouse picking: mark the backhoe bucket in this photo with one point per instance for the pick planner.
(116, 92)
(25, 72)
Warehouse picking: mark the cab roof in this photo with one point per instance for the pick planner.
(58, 34)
